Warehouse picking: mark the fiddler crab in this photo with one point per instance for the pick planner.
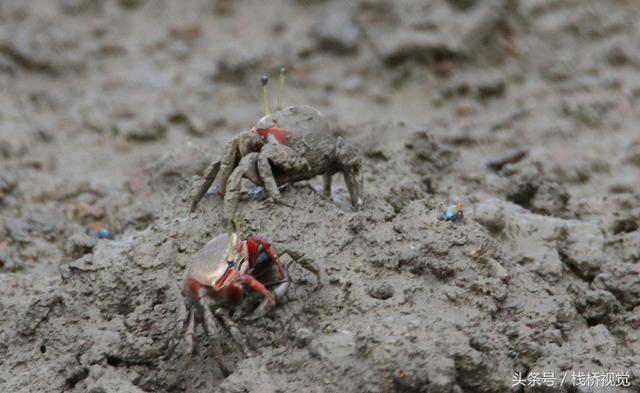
(453, 213)
(221, 274)
(286, 146)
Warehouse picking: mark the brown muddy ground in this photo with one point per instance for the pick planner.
(110, 110)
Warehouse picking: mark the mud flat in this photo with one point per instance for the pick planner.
(525, 111)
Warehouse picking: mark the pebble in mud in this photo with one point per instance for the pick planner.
(303, 337)
(496, 269)
(382, 292)
(142, 130)
(79, 244)
(104, 233)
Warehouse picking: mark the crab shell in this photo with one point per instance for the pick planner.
(210, 273)
(305, 130)
(287, 126)
(224, 267)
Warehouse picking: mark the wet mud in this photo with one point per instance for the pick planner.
(525, 111)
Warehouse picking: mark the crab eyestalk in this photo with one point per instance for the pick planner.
(281, 80)
(264, 80)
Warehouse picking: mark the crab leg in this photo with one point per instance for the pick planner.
(227, 165)
(265, 306)
(233, 330)
(282, 287)
(211, 328)
(352, 186)
(210, 175)
(350, 162)
(257, 286)
(189, 334)
(305, 262)
(326, 189)
(189, 344)
(285, 159)
(246, 168)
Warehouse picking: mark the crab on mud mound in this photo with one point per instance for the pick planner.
(220, 275)
(289, 145)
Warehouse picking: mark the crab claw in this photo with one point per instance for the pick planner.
(268, 302)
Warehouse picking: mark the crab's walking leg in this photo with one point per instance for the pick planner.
(189, 342)
(210, 175)
(212, 330)
(349, 161)
(189, 334)
(304, 261)
(286, 160)
(246, 168)
(326, 189)
(232, 328)
(227, 164)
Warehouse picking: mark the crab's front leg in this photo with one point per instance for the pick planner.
(267, 305)
(286, 160)
(283, 282)
(272, 273)
(218, 173)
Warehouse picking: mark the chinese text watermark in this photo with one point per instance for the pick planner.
(601, 379)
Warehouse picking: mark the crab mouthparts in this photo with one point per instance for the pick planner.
(228, 276)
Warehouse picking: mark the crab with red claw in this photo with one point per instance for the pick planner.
(286, 146)
(220, 276)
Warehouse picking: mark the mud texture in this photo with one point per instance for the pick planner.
(111, 110)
